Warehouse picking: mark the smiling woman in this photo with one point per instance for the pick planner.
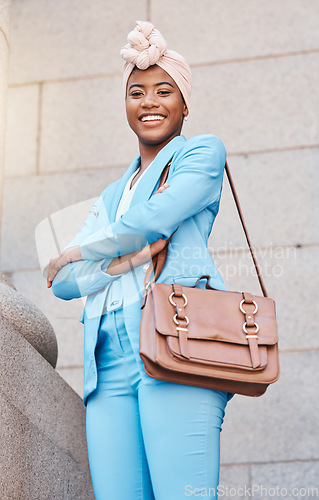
(155, 110)
(147, 438)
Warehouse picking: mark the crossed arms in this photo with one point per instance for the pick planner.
(93, 259)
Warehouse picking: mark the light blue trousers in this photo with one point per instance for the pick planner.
(149, 441)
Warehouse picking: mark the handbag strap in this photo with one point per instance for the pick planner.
(159, 260)
(241, 216)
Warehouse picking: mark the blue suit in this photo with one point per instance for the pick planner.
(189, 205)
(195, 183)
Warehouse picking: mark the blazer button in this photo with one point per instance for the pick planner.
(145, 268)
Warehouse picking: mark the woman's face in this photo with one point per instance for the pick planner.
(154, 106)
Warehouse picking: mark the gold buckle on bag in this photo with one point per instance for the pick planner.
(254, 336)
(177, 322)
(173, 303)
(243, 310)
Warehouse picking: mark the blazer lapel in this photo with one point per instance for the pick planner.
(146, 187)
(113, 199)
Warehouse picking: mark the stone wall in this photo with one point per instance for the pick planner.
(255, 86)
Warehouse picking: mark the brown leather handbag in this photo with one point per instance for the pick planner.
(209, 338)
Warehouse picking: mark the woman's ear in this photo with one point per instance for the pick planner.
(185, 111)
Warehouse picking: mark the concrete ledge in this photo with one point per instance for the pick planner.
(43, 419)
(28, 320)
(32, 466)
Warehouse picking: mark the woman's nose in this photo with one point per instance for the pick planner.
(149, 101)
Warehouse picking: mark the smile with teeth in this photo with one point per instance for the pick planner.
(152, 118)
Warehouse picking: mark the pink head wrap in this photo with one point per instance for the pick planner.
(147, 47)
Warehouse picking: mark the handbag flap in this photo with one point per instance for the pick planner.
(218, 353)
(214, 314)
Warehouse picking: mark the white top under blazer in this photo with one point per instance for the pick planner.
(127, 195)
(114, 295)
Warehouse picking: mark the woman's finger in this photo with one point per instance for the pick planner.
(160, 189)
(156, 247)
(54, 267)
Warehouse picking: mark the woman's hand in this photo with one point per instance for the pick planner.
(56, 263)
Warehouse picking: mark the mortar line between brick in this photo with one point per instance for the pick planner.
(240, 250)
(148, 10)
(63, 172)
(192, 65)
(37, 165)
(256, 58)
(300, 351)
(273, 150)
(68, 367)
(23, 270)
(249, 476)
(5, 37)
(270, 462)
(119, 166)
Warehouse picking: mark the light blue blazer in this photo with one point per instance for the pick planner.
(192, 198)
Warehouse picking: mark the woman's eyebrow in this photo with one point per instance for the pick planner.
(136, 85)
(164, 83)
(156, 85)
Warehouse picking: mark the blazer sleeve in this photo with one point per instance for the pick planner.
(194, 184)
(84, 277)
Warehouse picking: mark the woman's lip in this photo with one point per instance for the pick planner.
(152, 123)
(162, 117)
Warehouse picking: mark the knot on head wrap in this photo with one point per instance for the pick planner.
(147, 47)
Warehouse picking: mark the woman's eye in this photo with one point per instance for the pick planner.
(136, 93)
(164, 92)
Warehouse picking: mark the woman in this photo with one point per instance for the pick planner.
(146, 438)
